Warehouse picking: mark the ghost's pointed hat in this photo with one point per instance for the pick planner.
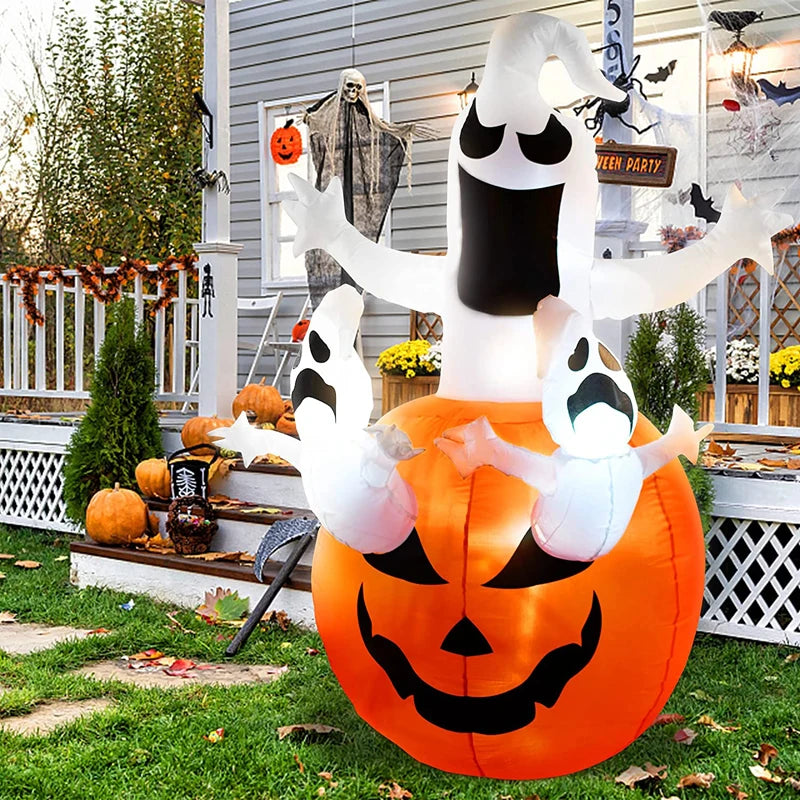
(519, 47)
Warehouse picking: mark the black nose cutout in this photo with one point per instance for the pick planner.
(479, 141)
(465, 639)
(577, 361)
(551, 146)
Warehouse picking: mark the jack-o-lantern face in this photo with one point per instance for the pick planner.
(477, 652)
(286, 144)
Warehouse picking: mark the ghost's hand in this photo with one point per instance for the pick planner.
(319, 216)
(469, 446)
(751, 224)
(393, 443)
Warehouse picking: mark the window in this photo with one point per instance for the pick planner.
(278, 264)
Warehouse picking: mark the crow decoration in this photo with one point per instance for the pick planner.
(735, 21)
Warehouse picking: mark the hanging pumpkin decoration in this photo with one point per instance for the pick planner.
(286, 144)
(299, 330)
(116, 516)
(152, 477)
(287, 424)
(477, 652)
(195, 430)
(263, 401)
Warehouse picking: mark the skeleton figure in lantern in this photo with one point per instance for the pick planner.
(349, 140)
(348, 467)
(589, 409)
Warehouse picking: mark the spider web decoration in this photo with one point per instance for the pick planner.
(753, 131)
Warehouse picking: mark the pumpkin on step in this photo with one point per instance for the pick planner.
(287, 424)
(195, 430)
(116, 516)
(263, 401)
(152, 477)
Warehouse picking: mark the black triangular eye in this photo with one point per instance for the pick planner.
(407, 562)
(479, 141)
(532, 566)
(551, 146)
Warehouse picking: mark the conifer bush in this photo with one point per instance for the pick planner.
(120, 427)
(667, 367)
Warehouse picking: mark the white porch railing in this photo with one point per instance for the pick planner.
(50, 360)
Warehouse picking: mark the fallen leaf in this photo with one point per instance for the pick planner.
(306, 727)
(215, 736)
(773, 462)
(668, 719)
(299, 763)
(279, 618)
(328, 776)
(749, 466)
(699, 694)
(736, 791)
(790, 731)
(793, 463)
(633, 775)
(764, 774)
(27, 564)
(98, 632)
(312, 651)
(394, 791)
(710, 723)
(321, 791)
(719, 450)
(61, 558)
(179, 668)
(766, 752)
(6, 556)
(790, 659)
(267, 510)
(147, 655)
(2, 576)
(217, 556)
(223, 605)
(698, 780)
(793, 782)
(685, 736)
(7, 616)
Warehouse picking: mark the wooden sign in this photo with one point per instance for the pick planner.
(635, 164)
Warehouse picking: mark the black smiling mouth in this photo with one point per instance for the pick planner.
(509, 256)
(496, 714)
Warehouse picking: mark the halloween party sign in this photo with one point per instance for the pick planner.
(635, 164)
(473, 608)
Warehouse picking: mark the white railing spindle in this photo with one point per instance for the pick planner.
(40, 361)
(160, 344)
(8, 364)
(138, 299)
(80, 310)
(99, 326)
(179, 336)
(60, 320)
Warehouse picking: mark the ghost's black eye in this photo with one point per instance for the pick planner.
(577, 361)
(531, 566)
(407, 562)
(478, 141)
(550, 146)
(608, 358)
(320, 352)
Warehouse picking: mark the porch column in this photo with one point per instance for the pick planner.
(218, 328)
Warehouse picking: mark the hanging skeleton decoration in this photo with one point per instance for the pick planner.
(207, 291)
(348, 140)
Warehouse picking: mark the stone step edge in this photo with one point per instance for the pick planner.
(299, 579)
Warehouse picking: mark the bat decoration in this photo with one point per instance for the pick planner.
(703, 207)
(662, 73)
(781, 93)
(735, 21)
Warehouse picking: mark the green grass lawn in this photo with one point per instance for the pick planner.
(150, 744)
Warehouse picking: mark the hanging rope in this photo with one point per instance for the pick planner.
(353, 34)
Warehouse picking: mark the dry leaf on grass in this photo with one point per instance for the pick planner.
(633, 775)
(766, 752)
(698, 780)
(180, 668)
(736, 791)
(685, 736)
(61, 558)
(27, 564)
(668, 719)
(312, 651)
(306, 727)
(6, 557)
(215, 736)
(7, 616)
(279, 618)
(98, 632)
(765, 775)
(2, 576)
(793, 782)
(300, 765)
(699, 694)
(147, 655)
(790, 659)
(711, 723)
(394, 791)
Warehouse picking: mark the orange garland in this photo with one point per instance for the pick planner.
(106, 288)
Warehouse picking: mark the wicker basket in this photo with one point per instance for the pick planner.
(191, 524)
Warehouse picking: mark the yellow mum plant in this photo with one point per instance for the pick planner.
(784, 367)
(407, 359)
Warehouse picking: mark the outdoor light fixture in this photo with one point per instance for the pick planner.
(201, 112)
(468, 92)
(739, 59)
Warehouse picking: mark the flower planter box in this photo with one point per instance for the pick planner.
(741, 402)
(398, 389)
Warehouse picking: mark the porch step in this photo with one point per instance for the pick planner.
(184, 581)
(265, 484)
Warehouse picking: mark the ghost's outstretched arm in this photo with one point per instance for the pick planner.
(623, 287)
(680, 439)
(251, 442)
(477, 445)
(408, 279)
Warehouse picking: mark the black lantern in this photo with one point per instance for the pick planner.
(468, 92)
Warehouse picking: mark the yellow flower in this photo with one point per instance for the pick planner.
(785, 384)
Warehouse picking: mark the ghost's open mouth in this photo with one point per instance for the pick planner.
(509, 258)
(599, 388)
(496, 714)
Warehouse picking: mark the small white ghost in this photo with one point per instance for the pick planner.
(589, 487)
(348, 467)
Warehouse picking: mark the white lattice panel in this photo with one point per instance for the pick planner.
(753, 580)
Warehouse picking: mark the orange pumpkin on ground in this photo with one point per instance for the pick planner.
(152, 477)
(195, 430)
(116, 516)
(286, 144)
(263, 401)
(478, 653)
(287, 424)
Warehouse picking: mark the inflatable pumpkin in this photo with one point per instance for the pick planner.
(476, 651)
(286, 144)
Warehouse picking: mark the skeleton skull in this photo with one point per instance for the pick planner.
(352, 85)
